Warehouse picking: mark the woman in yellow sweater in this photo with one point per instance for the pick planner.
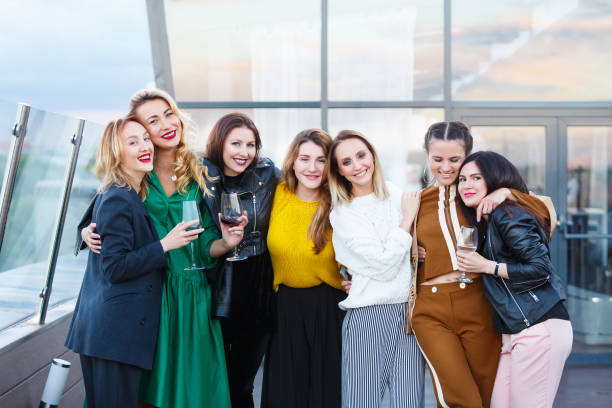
(303, 363)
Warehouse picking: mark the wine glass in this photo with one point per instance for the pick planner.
(231, 211)
(467, 243)
(191, 212)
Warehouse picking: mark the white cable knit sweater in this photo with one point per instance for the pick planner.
(369, 242)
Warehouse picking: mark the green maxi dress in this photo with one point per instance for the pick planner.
(189, 367)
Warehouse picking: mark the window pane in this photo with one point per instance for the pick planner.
(397, 135)
(540, 50)
(385, 50)
(277, 127)
(589, 260)
(29, 230)
(524, 146)
(241, 50)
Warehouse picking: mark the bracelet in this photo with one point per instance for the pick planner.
(495, 273)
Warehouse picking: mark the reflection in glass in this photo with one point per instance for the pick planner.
(524, 146)
(8, 112)
(34, 206)
(241, 50)
(277, 127)
(534, 50)
(589, 205)
(385, 50)
(397, 135)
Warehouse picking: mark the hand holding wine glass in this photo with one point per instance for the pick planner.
(191, 213)
(232, 215)
(232, 235)
(466, 244)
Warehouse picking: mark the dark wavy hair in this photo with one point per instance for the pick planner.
(498, 172)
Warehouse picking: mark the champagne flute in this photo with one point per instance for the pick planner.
(231, 211)
(191, 212)
(467, 243)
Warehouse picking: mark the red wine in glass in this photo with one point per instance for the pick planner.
(231, 211)
(230, 221)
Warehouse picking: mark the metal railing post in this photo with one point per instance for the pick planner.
(10, 173)
(45, 293)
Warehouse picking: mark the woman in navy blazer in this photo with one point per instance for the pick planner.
(115, 321)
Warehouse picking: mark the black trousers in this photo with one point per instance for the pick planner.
(304, 362)
(243, 355)
(110, 383)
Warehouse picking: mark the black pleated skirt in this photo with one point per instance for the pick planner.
(303, 363)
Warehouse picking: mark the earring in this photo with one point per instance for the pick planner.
(427, 182)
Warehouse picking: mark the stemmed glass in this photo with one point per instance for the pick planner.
(192, 212)
(467, 243)
(231, 211)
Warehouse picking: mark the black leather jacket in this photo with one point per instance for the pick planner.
(532, 287)
(256, 189)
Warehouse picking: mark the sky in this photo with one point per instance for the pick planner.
(80, 58)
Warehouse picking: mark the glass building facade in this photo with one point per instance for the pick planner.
(529, 77)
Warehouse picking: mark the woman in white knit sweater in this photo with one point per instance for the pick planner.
(371, 221)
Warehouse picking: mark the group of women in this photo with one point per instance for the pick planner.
(151, 331)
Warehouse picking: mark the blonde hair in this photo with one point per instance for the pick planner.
(339, 187)
(186, 163)
(108, 159)
(319, 225)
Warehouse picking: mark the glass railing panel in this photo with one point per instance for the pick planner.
(8, 111)
(69, 269)
(33, 212)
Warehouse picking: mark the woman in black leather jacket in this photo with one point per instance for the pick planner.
(244, 295)
(520, 282)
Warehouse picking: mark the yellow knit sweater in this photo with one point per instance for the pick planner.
(293, 259)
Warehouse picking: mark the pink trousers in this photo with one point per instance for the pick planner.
(531, 364)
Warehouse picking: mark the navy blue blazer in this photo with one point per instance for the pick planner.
(117, 313)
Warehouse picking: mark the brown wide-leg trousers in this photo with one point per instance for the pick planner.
(454, 328)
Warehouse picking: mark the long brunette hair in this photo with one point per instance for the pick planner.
(319, 225)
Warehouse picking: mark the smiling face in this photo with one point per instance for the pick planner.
(239, 149)
(445, 158)
(161, 122)
(136, 151)
(472, 186)
(356, 164)
(309, 166)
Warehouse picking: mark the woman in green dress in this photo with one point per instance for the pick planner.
(189, 368)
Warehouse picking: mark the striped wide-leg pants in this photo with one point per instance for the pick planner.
(377, 354)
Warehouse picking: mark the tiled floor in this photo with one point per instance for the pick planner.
(581, 387)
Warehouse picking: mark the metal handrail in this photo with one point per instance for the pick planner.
(10, 173)
(45, 293)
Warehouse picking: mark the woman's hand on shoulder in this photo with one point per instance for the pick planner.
(179, 236)
(410, 206)
(492, 201)
(91, 238)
